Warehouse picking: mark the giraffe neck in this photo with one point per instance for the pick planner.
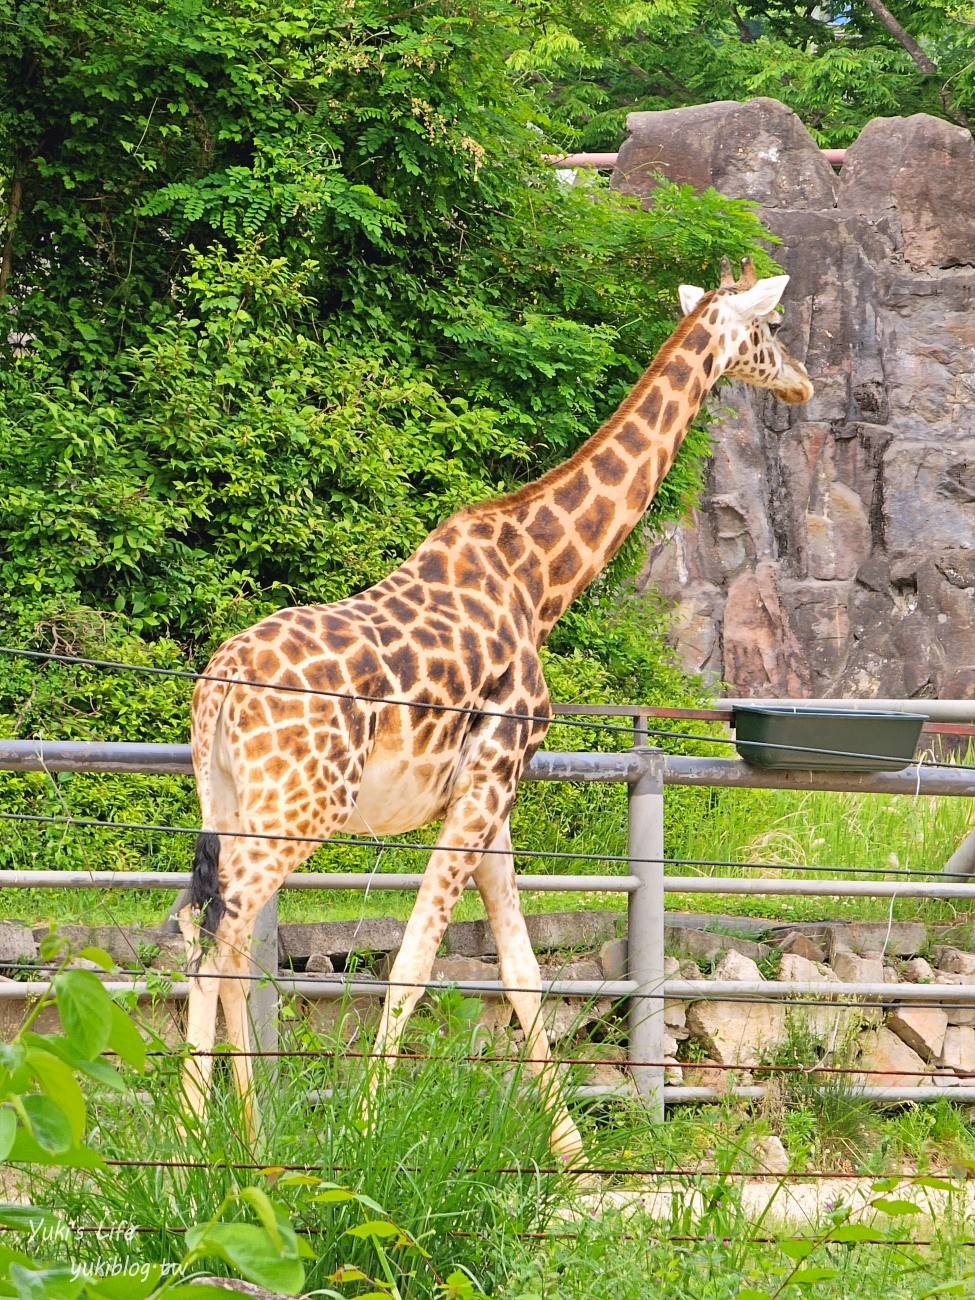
(579, 514)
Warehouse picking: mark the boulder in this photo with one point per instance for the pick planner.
(883, 1051)
(954, 962)
(738, 1033)
(17, 944)
(852, 969)
(958, 1050)
(896, 938)
(802, 946)
(709, 946)
(745, 1033)
(770, 1155)
(921, 1028)
(918, 971)
(565, 1017)
(801, 572)
(758, 149)
(917, 174)
(827, 1025)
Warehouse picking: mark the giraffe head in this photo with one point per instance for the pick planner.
(743, 313)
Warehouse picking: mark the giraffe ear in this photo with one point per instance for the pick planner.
(761, 299)
(689, 296)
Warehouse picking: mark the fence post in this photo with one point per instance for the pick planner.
(264, 990)
(645, 923)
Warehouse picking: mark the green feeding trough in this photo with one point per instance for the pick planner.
(825, 740)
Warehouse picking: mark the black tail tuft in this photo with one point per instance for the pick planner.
(205, 884)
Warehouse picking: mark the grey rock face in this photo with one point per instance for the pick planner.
(833, 552)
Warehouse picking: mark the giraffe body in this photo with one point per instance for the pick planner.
(342, 734)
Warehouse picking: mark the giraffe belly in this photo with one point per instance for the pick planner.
(397, 794)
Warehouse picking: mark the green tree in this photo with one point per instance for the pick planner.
(283, 286)
(837, 64)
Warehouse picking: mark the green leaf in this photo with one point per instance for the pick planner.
(251, 1251)
(797, 1249)
(260, 1202)
(749, 1293)
(26, 1149)
(810, 1276)
(847, 1233)
(100, 957)
(85, 1009)
(8, 1127)
(49, 1125)
(374, 1228)
(127, 1287)
(939, 1184)
(888, 1206)
(335, 1196)
(58, 1083)
(27, 1216)
(125, 1039)
(886, 1184)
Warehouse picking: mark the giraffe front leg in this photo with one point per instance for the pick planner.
(495, 880)
(467, 827)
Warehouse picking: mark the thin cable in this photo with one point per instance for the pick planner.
(562, 721)
(362, 843)
(908, 1176)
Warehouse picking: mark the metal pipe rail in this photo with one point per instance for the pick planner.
(626, 765)
(646, 772)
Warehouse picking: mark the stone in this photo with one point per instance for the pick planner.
(878, 938)
(883, 1051)
(565, 1017)
(958, 1050)
(827, 1025)
(673, 1072)
(735, 966)
(708, 946)
(770, 1155)
(852, 969)
(802, 946)
(933, 205)
(469, 939)
(954, 962)
(738, 1033)
(610, 1076)
(319, 963)
(921, 1028)
(758, 149)
(299, 939)
(568, 931)
(17, 944)
(832, 552)
(613, 959)
(706, 1074)
(917, 971)
(690, 970)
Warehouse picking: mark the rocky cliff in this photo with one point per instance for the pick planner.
(834, 550)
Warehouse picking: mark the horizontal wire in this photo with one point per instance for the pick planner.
(561, 721)
(341, 1055)
(908, 1176)
(842, 1001)
(618, 859)
(114, 1233)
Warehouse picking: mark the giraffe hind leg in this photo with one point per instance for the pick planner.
(198, 921)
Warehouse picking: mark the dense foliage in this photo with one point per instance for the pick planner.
(837, 64)
(284, 285)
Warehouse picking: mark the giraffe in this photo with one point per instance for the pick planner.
(458, 624)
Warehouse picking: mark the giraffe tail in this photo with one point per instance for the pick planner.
(204, 909)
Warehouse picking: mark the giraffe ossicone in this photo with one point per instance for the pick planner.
(458, 624)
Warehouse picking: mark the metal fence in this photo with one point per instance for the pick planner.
(646, 772)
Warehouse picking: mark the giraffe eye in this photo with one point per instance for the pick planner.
(773, 324)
